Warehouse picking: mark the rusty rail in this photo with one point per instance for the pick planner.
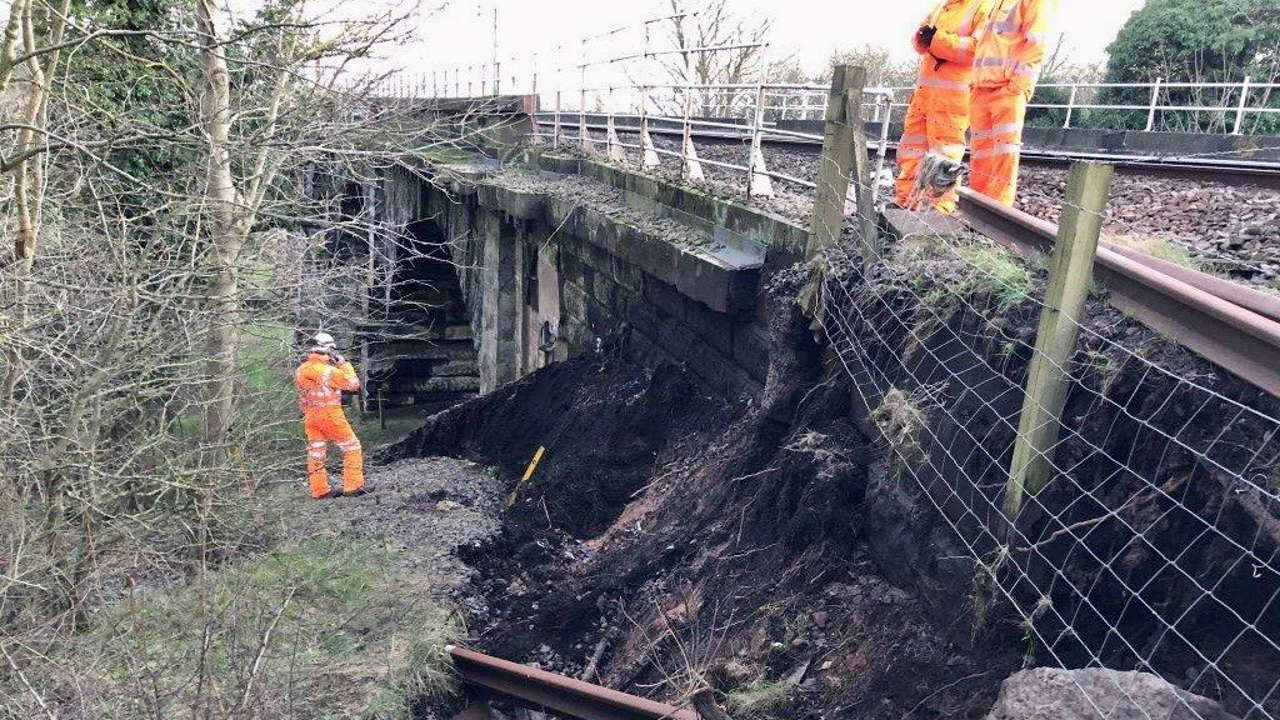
(568, 696)
(1230, 325)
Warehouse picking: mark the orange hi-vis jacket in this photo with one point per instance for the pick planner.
(1007, 60)
(321, 384)
(320, 387)
(1012, 44)
(938, 115)
(953, 44)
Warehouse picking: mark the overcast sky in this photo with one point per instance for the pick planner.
(461, 33)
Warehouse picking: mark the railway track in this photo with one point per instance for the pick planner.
(1229, 324)
(1229, 172)
(531, 687)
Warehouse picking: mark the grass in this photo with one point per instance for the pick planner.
(372, 434)
(998, 272)
(265, 348)
(1154, 246)
(445, 154)
(338, 632)
(262, 362)
(900, 416)
(945, 271)
(760, 700)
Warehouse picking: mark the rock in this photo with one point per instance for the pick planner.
(447, 506)
(1056, 694)
(820, 618)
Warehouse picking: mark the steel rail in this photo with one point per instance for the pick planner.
(1259, 174)
(1220, 321)
(531, 686)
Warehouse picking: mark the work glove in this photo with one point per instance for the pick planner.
(925, 34)
(336, 359)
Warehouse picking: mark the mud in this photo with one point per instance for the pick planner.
(697, 541)
(796, 548)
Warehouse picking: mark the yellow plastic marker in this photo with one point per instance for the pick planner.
(528, 473)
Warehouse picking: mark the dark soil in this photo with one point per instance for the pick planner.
(692, 540)
(604, 424)
(1154, 546)
(841, 539)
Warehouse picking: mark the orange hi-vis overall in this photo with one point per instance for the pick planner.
(320, 387)
(939, 111)
(1010, 51)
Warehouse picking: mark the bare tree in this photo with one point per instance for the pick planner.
(698, 28)
(882, 69)
(182, 195)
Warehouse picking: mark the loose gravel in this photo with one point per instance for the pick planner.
(607, 200)
(1234, 231)
(424, 509)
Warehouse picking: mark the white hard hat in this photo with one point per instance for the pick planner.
(322, 342)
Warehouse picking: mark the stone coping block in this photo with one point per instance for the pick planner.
(723, 276)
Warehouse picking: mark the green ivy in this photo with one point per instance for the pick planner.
(1197, 41)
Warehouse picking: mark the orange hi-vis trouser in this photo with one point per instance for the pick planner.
(997, 115)
(329, 425)
(936, 121)
(939, 111)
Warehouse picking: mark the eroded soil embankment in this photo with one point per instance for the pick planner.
(775, 553)
(678, 540)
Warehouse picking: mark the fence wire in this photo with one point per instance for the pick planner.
(1155, 547)
(1156, 544)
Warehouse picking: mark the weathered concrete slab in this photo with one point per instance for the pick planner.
(906, 225)
(516, 203)
(722, 272)
(682, 284)
(760, 226)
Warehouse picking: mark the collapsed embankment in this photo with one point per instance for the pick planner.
(824, 551)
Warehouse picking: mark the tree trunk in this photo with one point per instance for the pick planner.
(704, 702)
(28, 174)
(227, 235)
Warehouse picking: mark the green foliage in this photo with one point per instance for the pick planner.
(1191, 40)
(761, 700)
(947, 271)
(334, 633)
(1049, 117)
(265, 353)
(1156, 246)
(135, 83)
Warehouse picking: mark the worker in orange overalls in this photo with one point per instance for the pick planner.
(939, 111)
(1010, 51)
(321, 380)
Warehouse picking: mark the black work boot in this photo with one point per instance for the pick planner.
(362, 490)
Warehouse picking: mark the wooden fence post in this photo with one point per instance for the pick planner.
(835, 170)
(835, 167)
(1070, 275)
(863, 193)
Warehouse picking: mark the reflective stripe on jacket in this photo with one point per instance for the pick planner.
(321, 384)
(947, 63)
(1011, 45)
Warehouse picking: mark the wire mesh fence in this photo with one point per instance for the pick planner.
(1154, 545)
